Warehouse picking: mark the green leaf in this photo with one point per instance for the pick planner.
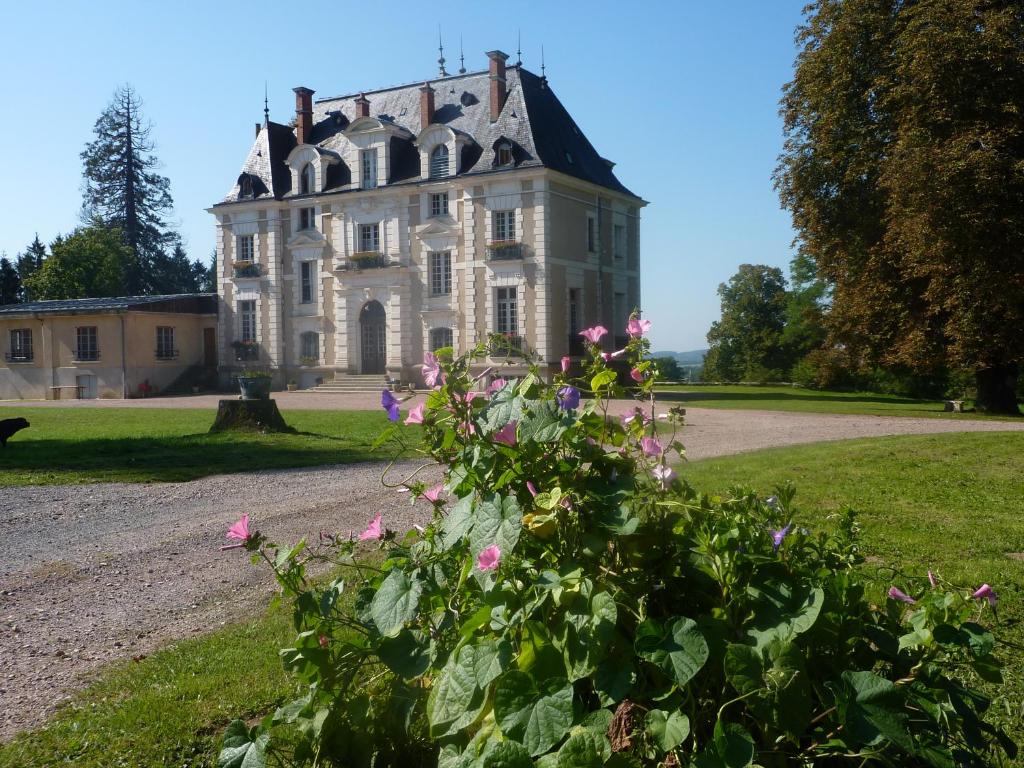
(459, 693)
(538, 718)
(734, 745)
(872, 709)
(458, 522)
(545, 423)
(612, 680)
(744, 668)
(680, 650)
(979, 639)
(668, 729)
(498, 520)
(407, 654)
(782, 611)
(243, 748)
(583, 749)
(602, 379)
(504, 406)
(395, 602)
(507, 754)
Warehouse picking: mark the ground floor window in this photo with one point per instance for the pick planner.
(247, 320)
(87, 347)
(507, 321)
(441, 337)
(21, 345)
(309, 348)
(165, 343)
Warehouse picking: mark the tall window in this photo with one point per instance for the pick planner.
(368, 163)
(441, 337)
(245, 186)
(504, 153)
(439, 204)
(508, 311)
(165, 342)
(503, 225)
(307, 179)
(619, 241)
(307, 271)
(307, 218)
(21, 345)
(369, 237)
(591, 234)
(574, 311)
(309, 345)
(439, 166)
(244, 244)
(440, 273)
(247, 320)
(86, 347)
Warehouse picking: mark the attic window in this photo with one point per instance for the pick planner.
(307, 180)
(504, 154)
(245, 187)
(467, 99)
(439, 162)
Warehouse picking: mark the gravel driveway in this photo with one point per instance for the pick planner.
(95, 573)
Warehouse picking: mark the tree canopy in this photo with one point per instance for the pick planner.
(89, 263)
(903, 168)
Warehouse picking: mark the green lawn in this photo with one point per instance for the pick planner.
(782, 398)
(138, 445)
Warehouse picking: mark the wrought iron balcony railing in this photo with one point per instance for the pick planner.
(247, 269)
(369, 260)
(166, 354)
(18, 357)
(507, 345)
(246, 351)
(504, 250)
(86, 355)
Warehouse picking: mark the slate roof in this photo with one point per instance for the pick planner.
(542, 132)
(181, 303)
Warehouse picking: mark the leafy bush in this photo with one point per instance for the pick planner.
(574, 604)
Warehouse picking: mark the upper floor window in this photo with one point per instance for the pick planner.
(307, 179)
(307, 271)
(368, 164)
(307, 218)
(619, 241)
(441, 337)
(591, 233)
(504, 156)
(245, 247)
(439, 162)
(439, 204)
(309, 347)
(440, 273)
(86, 347)
(503, 225)
(21, 345)
(165, 343)
(369, 237)
(247, 320)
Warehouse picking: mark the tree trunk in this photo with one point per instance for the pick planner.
(997, 389)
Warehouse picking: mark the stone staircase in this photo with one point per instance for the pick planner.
(352, 383)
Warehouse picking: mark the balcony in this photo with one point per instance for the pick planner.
(247, 269)
(86, 355)
(577, 348)
(507, 345)
(504, 250)
(246, 351)
(18, 357)
(166, 354)
(369, 260)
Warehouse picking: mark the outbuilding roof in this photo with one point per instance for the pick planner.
(181, 303)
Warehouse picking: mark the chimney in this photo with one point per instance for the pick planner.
(303, 113)
(258, 126)
(426, 105)
(362, 106)
(498, 88)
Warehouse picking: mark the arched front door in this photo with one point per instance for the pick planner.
(373, 332)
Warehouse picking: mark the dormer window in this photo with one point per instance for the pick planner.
(439, 167)
(368, 163)
(245, 187)
(504, 153)
(307, 179)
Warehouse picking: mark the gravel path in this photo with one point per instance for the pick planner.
(95, 573)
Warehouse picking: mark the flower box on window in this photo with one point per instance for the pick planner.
(246, 269)
(308, 360)
(507, 345)
(246, 350)
(501, 250)
(369, 260)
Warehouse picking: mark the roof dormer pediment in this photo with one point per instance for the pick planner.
(307, 238)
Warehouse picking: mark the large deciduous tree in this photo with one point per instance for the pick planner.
(746, 342)
(89, 263)
(903, 168)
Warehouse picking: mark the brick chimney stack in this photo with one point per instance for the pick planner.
(498, 88)
(362, 106)
(303, 113)
(426, 106)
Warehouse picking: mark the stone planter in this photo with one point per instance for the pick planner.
(254, 388)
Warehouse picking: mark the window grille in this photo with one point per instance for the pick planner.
(439, 204)
(245, 246)
(247, 316)
(440, 273)
(21, 345)
(503, 225)
(86, 343)
(369, 237)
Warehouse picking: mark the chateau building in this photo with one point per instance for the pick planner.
(384, 224)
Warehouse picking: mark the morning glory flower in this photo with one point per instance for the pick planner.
(779, 535)
(506, 435)
(431, 369)
(494, 386)
(637, 327)
(239, 532)
(488, 559)
(593, 335)
(932, 580)
(663, 475)
(566, 362)
(373, 530)
(897, 594)
(985, 592)
(651, 446)
(772, 502)
(433, 494)
(568, 398)
(636, 375)
(389, 404)
(416, 414)
(531, 488)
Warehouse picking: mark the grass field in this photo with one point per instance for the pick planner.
(951, 503)
(90, 445)
(783, 398)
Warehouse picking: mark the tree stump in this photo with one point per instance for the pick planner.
(252, 415)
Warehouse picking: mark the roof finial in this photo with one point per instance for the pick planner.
(543, 76)
(462, 58)
(519, 47)
(266, 105)
(440, 48)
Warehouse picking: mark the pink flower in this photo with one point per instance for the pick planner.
(416, 414)
(932, 580)
(635, 375)
(593, 335)
(472, 395)
(897, 594)
(566, 362)
(531, 488)
(606, 356)
(433, 494)
(506, 435)
(373, 530)
(324, 642)
(651, 446)
(985, 592)
(431, 370)
(619, 352)
(239, 532)
(488, 559)
(419, 529)
(663, 475)
(494, 386)
(636, 414)
(637, 327)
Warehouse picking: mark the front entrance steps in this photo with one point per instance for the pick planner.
(353, 383)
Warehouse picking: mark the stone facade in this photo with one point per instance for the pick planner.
(394, 222)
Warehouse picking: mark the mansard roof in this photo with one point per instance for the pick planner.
(540, 129)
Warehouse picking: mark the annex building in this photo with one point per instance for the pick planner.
(383, 224)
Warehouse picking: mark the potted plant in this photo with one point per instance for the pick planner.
(254, 384)
(292, 385)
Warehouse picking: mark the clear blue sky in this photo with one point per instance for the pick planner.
(682, 95)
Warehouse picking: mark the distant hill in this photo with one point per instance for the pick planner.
(694, 357)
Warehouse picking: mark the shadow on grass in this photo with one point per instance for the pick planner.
(695, 396)
(173, 458)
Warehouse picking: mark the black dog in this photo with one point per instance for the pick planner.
(9, 426)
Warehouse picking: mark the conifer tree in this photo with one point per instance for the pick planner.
(27, 264)
(10, 283)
